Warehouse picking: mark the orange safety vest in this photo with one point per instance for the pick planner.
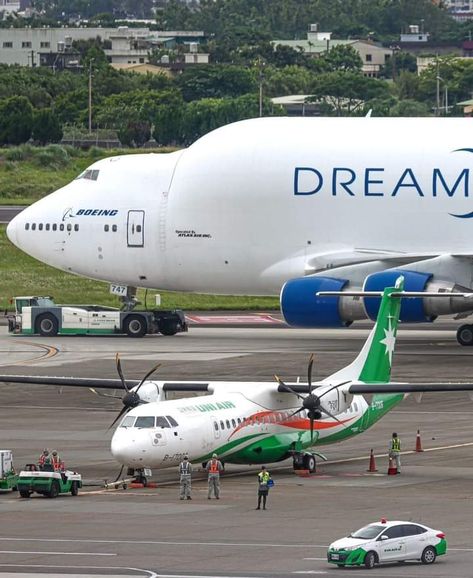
(214, 467)
(56, 463)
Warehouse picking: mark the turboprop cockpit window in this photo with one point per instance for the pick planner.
(144, 421)
(172, 421)
(91, 175)
(128, 421)
(161, 421)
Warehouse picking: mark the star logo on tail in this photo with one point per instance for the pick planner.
(389, 341)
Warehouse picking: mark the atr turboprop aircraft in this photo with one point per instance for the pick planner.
(255, 422)
(278, 206)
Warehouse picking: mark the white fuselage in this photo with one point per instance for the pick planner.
(243, 422)
(254, 203)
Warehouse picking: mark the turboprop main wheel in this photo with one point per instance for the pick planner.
(465, 335)
(309, 463)
(47, 325)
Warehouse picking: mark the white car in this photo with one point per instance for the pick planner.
(388, 542)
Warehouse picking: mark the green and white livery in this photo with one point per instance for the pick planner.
(257, 422)
(393, 541)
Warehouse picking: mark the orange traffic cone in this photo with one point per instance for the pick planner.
(372, 466)
(392, 469)
(418, 442)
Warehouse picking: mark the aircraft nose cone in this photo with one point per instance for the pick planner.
(12, 229)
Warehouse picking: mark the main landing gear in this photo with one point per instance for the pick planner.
(139, 476)
(304, 461)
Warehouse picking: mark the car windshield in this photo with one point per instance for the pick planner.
(367, 533)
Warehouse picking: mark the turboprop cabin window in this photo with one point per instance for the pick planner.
(144, 421)
(161, 421)
(128, 421)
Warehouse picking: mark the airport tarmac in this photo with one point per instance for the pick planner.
(149, 532)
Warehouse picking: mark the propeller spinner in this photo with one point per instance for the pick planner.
(312, 403)
(131, 398)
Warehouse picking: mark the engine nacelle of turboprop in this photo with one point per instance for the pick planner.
(301, 307)
(336, 400)
(412, 310)
(150, 391)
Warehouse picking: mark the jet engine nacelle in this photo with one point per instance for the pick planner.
(301, 307)
(412, 310)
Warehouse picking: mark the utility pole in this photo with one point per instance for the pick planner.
(260, 79)
(437, 110)
(90, 95)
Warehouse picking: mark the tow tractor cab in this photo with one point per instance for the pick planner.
(388, 541)
(35, 314)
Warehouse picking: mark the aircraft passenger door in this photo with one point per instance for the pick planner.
(136, 229)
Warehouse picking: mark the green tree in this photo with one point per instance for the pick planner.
(216, 81)
(343, 57)
(16, 120)
(46, 127)
(345, 93)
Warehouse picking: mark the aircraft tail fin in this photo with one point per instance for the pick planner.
(373, 363)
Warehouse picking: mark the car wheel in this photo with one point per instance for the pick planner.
(370, 560)
(25, 494)
(135, 326)
(47, 325)
(74, 489)
(465, 335)
(428, 555)
(54, 491)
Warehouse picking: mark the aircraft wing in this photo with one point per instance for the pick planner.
(320, 262)
(97, 383)
(370, 388)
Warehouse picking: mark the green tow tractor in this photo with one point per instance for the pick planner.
(48, 483)
(8, 477)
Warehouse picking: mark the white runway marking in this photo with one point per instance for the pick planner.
(57, 553)
(164, 543)
(145, 573)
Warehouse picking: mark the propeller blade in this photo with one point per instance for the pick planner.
(100, 394)
(323, 410)
(311, 428)
(289, 389)
(150, 372)
(120, 372)
(309, 372)
(122, 411)
(296, 412)
(333, 387)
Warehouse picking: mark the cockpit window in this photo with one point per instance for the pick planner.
(90, 174)
(172, 421)
(161, 421)
(128, 421)
(144, 421)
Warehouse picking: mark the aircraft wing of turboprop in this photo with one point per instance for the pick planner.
(371, 388)
(98, 383)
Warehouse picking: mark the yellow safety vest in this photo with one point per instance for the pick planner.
(396, 445)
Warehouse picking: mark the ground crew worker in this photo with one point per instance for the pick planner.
(214, 467)
(263, 486)
(395, 451)
(45, 462)
(56, 461)
(185, 479)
